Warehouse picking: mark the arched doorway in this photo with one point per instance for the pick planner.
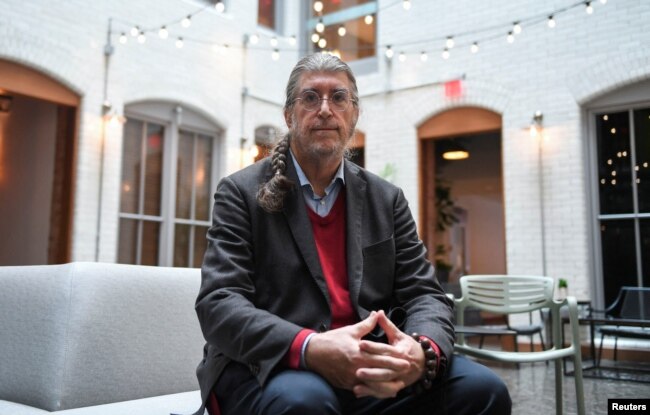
(461, 195)
(38, 119)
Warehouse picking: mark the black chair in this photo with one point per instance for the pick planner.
(632, 303)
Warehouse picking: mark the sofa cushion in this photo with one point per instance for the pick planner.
(84, 334)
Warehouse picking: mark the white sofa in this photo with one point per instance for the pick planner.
(97, 338)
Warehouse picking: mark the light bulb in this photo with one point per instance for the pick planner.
(315, 38)
(220, 6)
(369, 19)
(589, 8)
(273, 41)
(342, 31)
(187, 21)
(318, 6)
(123, 38)
(179, 42)
(449, 42)
(406, 4)
(603, 1)
(389, 52)
(516, 28)
(424, 57)
(163, 33)
(474, 47)
(551, 22)
(510, 38)
(292, 40)
(320, 26)
(142, 38)
(135, 30)
(253, 39)
(445, 54)
(322, 43)
(275, 55)
(402, 57)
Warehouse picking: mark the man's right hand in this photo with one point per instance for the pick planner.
(336, 355)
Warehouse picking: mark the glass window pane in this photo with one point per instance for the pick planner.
(333, 6)
(181, 245)
(202, 177)
(128, 241)
(153, 169)
(131, 158)
(184, 179)
(614, 162)
(266, 13)
(642, 147)
(619, 256)
(358, 41)
(200, 245)
(150, 238)
(645, 251)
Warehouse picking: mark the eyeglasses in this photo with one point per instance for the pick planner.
(340, 100)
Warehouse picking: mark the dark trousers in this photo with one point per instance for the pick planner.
(468, 388)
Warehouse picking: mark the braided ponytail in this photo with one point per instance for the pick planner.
(271, 195)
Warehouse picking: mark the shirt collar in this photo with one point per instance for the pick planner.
(305, 182)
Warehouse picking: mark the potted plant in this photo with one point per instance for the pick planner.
(445, 217)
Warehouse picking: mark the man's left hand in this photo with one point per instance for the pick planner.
(380, 382)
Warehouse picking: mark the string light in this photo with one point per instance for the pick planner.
(342, 31)
(369, 19)
(406, 4)
(292, 40)
(402, 57)
(179, 42)
(135, 31)
(588, 7)
(423, 56)
(320, 26)
(322, 43)
(510, 38)
(605, 117)
(445, 54)
(551, 22)
(474, 47)
(275, 55)
(318, 6)
(253, 39)
(449, 42)
(123, 38)
(220, 6)
(142, 38)
(389, 52)
(273, 41)
(603, 1)
(163, 33)
(516, 28)
(187, 21)
(315, 38)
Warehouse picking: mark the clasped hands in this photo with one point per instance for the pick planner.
(365, 367)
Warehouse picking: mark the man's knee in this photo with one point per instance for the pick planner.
(294, 392)
(489, 393)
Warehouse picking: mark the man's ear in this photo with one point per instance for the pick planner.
(287, 117)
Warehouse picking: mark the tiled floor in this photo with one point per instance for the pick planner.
(532, 389)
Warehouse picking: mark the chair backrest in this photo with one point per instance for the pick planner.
(634, 304)
(506, 294)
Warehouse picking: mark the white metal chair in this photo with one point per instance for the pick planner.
(511, 294)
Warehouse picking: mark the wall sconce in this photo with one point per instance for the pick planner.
(5, 103)
(536, 124)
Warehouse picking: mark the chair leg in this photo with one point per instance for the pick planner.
(480, 341)
(541, 339)
(600, 350)
(516, 349)
(615, 348)
(577, 373)
(558, 386)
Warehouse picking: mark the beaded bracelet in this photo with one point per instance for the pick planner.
(430, 363)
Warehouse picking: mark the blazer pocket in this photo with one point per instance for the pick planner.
(386, 247)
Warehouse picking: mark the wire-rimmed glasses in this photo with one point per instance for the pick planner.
(311, 100)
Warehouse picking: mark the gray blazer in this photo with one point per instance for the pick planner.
(262, 281)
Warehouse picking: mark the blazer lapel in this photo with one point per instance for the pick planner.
(295, 212)
(355, 198)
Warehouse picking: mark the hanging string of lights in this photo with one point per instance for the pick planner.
(470, 40)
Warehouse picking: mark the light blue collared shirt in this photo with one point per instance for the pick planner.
(320, 205)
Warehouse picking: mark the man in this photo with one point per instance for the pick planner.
(314, 281)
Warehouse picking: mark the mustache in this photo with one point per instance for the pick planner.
(325, 127)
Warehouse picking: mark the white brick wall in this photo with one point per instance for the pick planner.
(556, 71)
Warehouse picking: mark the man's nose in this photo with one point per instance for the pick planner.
(324, 110)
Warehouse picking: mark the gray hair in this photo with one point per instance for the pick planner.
(271, 194)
